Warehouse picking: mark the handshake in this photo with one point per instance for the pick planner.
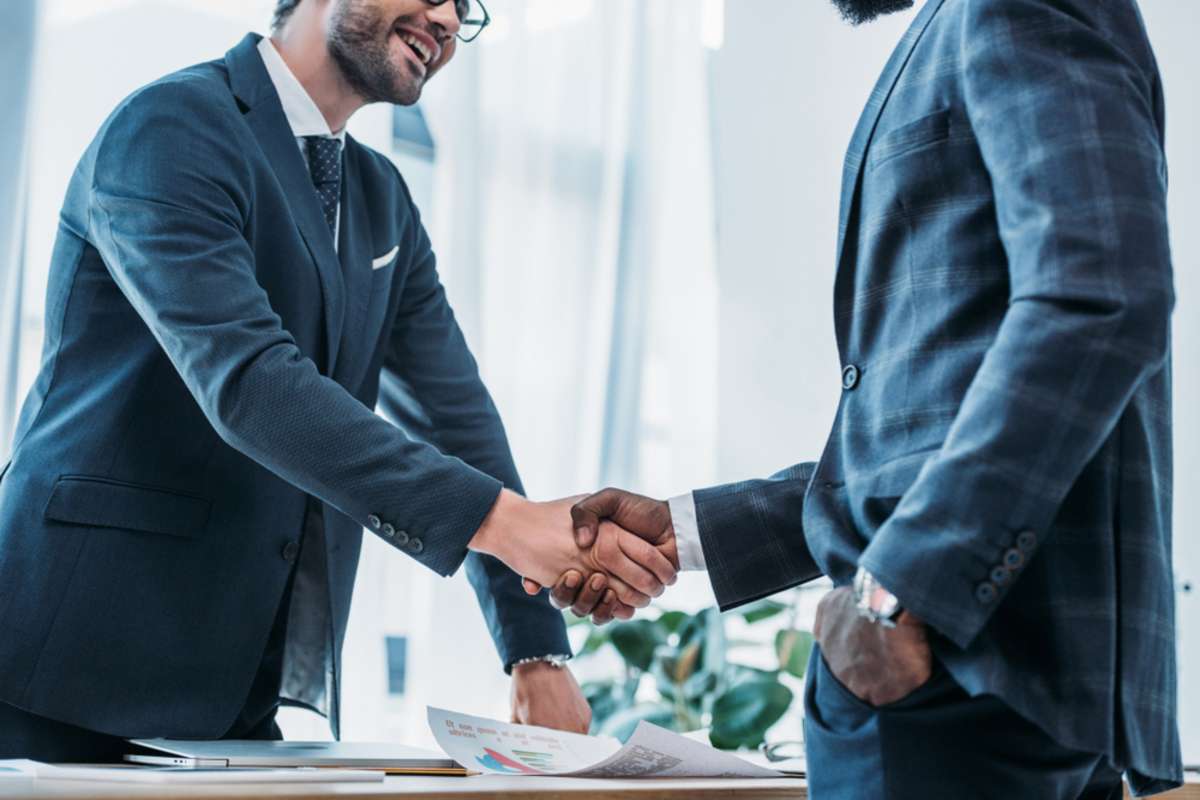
(602, 555)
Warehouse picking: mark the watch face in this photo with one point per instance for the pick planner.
(884, 603)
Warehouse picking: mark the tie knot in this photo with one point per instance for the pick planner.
(324, 158)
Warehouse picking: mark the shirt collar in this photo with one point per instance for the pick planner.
(302, 113)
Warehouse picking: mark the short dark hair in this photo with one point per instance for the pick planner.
(283, 10)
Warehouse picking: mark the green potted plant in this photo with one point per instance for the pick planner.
(685, 660)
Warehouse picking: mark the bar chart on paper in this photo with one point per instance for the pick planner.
(508, 749)
(493, 746)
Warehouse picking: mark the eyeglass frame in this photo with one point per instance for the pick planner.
(477, 24)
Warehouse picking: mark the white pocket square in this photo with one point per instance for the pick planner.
(385, 259)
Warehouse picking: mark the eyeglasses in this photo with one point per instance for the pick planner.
(473, 17)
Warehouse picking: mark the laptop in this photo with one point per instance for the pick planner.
(392, 759)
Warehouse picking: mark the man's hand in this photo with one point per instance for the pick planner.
(584, 597)
(535, 540)
(648, 518)
(645, 516)
(546, 695)
(878, 665)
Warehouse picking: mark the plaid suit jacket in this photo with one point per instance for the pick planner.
(1001, 455)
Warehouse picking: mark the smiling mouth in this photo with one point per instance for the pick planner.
(420, 50)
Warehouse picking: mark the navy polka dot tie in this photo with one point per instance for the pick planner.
(325, 166)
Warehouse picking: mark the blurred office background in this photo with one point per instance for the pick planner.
(634, 204)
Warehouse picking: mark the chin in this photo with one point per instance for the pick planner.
(406, 93)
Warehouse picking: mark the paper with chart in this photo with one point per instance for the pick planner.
(504, 748)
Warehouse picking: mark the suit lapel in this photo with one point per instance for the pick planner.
(354, 247)
(855, 154)
(264, 115)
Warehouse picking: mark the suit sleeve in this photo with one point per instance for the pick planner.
(432, 384)
(169, 204)
(1061, 97)
(752, 534)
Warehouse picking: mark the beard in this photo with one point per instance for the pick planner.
(360, 43)
(856, 12)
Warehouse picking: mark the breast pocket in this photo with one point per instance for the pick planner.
(386, 260)
(384, 269)
(922, 170)
(918, 134)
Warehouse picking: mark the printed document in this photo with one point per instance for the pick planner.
(504, 748)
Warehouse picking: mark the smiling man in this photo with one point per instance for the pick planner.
(233, 280)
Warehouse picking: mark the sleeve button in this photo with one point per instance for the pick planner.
(416, 545)
(1014, 559)
(1000, 576)
(985, 593)
(402, 537)
(388, 530)
(1027, 540)
(373, 522)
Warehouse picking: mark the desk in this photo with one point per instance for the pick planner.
(477, 787)
(480, 787)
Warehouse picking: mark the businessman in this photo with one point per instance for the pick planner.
(994, 501)
(233, 278)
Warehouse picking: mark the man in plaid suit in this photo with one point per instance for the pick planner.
(994, 502)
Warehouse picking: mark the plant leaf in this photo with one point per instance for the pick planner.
(622, 723)
(793, 647)
(737, 674)
(763, 609)
(742, 715)
(672, 620)
(604, 699)
(697, 686)
(707, 627)
(636, 641)
(685, 665)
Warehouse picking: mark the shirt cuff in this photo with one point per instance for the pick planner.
(687, 533)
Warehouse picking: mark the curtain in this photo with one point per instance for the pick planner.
(575, 224)
(572, 216)
(17, 38)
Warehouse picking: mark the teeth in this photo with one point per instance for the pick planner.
(417, 47)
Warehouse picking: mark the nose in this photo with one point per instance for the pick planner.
(446, 15)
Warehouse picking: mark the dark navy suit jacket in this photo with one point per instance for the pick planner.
(1001, 454)
(210, 365)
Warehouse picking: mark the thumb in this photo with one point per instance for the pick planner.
(587, 513)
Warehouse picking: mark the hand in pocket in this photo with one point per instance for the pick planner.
(878, 665)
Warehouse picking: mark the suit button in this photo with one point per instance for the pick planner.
(388, 530)
(985, 593)
(850, 377)
(373, 522)
(416, 545)
(1014, 559)
(402, 537)
(290, 551)
(1027, 540)
(1000, 576)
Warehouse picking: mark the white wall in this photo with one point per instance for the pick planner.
(1173, 25)
(789, 85)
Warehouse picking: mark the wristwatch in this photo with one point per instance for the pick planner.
(875, 602)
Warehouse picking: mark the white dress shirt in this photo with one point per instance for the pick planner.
(303, 116)
(687, 533)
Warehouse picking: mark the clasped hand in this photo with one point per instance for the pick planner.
(603, 555)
